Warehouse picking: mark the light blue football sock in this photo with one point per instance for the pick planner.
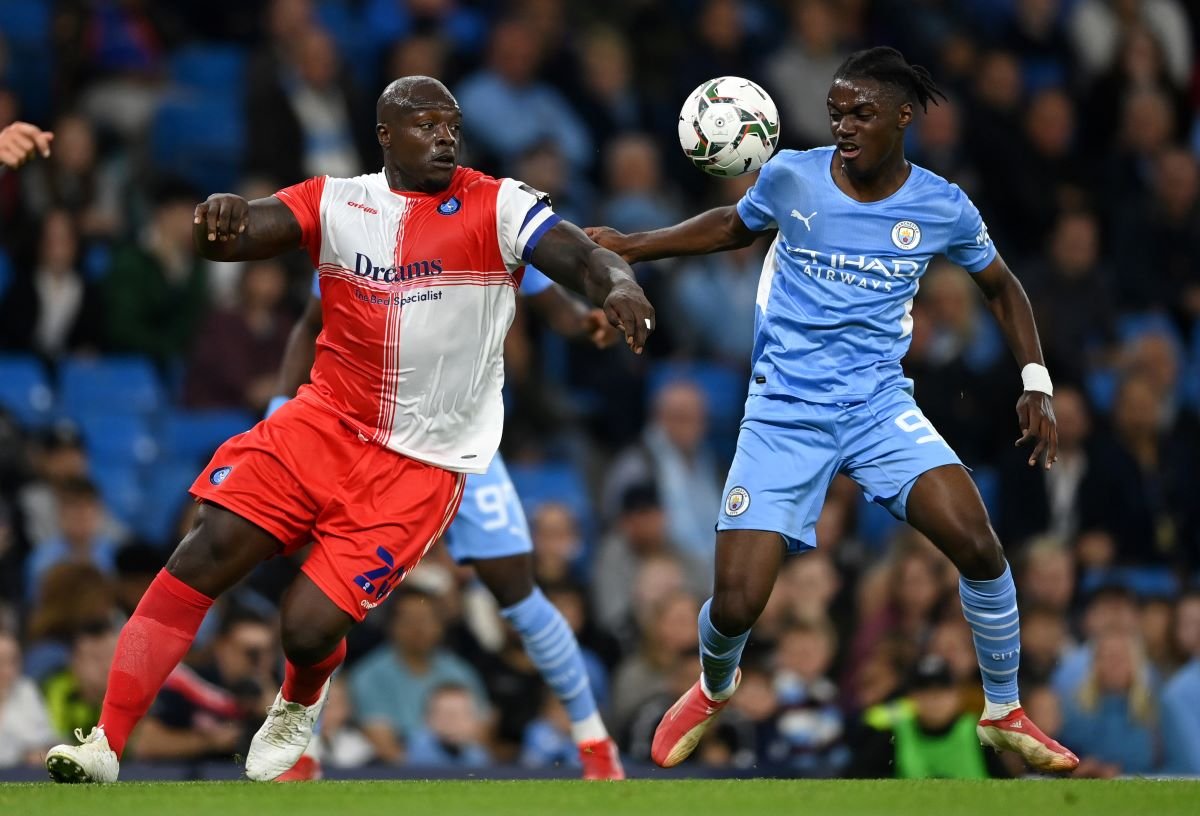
(719, 654)
(552, 647)
(990, 607)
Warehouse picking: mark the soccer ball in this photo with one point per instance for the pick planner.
(728, 126)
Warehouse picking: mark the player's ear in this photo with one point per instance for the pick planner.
(905, 116)
(383, 135)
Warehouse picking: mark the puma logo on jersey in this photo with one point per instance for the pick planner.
(796, 214)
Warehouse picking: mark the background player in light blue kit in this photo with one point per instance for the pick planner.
(855, 226)
(490, 531)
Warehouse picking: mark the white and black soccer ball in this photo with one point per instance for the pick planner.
(728, 126)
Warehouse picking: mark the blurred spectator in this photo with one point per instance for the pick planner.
(673, 454)
(212, 710)
(557, 542)
(1096, 27)
(25, 731)
(462, 27)
(304, 117)
(123, 52)
(1146, 128)
(70, 599)
(1047, 574)
(157, 290)
(805, 591)
(340, 741)
(77, 180)
(799, 72)
(1074, 339)
(136, 565)
(1180, 716)
(1037, 36)
(419, 55)
(1162, 232)
(992, 142)
(1138, 489)
(1112, 716)
(1034, 501)
(81, 538)
(637, 196)
(808, 723)
(669, 639)
(924, 735)
(237, 364)
(391, 686)
(453, 733)
(547, 739)
(610, 101)
(1157, 618)
(509, 83)
(53, 310)
(57, 456)
(74, 695)
(1110, 609)
(639, 533)
(1044, 642)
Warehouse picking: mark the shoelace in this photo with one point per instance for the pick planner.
(284, 722)
(93, 736)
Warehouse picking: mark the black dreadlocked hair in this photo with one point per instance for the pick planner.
(886, 64)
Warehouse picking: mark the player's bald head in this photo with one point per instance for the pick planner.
(413, 93)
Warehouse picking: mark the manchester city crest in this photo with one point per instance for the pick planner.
(737, 502)
(906, 235)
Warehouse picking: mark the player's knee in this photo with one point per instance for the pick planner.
(979, 556)
(732, 613)
(304, 643)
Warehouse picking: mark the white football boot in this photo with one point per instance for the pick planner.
(283, 737)
(90, 761)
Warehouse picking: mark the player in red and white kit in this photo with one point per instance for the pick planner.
(418, 264)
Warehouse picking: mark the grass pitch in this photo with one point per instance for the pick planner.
(652, 798)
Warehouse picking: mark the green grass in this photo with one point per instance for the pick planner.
(653, 798)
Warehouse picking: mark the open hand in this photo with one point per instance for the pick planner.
(598, 330)
(1037, 425)
(626, 307)
(21, 141)
(224, 216)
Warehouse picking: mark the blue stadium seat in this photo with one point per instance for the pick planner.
(201, 68)
(6, 273)
(200, 139)
(24, 389)
(118, 439)
(109, 385)
(25, 30)
(120, 488)
(553, 482)
(165, 489)
(194, 435)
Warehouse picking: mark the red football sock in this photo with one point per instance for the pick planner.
(302, 684)
(150, 646)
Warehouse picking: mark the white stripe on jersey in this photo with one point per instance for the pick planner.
(530, 228)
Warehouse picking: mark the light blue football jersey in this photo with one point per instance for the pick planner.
(835, 297)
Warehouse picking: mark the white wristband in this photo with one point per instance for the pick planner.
(1036, 378)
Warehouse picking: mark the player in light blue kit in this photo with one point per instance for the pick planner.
(855, 226)
(490, 533)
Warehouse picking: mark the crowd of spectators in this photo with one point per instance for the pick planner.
(1073, 124)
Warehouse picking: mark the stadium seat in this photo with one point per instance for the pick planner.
(200, 139)
(164, 488)
(553, 482)
(118, 439)
(6, 273)
(200, 68)
(25, 32)
(194, 435)
(109, 385)
(120, 488)
(24, 389)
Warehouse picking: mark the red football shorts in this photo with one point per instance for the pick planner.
(303, 475)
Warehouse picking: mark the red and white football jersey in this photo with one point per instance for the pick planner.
(417, 294)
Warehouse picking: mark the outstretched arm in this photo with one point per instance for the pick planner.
(301, 350)
(569, 257)
(717, 230)
(568, 316)
(227, 227)
(1009, 304)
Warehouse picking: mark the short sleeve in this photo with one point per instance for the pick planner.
(755, 206)
(523, 216)
(304, 200)
(534, 282)
(316, 285)
(970, 245)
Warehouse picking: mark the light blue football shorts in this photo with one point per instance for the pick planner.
(789, 451)
(490, 521)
